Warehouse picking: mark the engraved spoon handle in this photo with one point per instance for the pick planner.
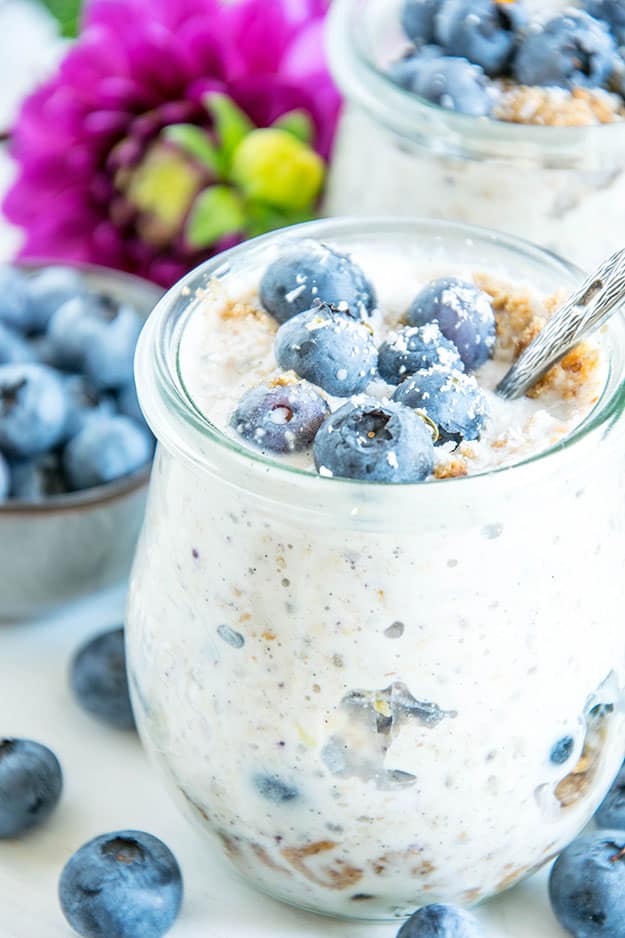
(586, 309)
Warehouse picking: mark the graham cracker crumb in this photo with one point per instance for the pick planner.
(557, 107)
(454, 468)
(284, 380)
(235, 309)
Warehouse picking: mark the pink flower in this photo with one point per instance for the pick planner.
(141, 153)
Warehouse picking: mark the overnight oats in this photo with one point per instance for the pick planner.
(504, 113)
(374, 626)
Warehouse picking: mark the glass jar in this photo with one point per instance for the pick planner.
(374, 696)
(395, 153)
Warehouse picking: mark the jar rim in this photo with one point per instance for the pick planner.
(421, 121)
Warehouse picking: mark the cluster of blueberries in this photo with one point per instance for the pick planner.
(69, 415)
(323, 302)
(126, 883)
(458, 46)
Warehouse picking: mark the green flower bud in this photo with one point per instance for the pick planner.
(271, 165)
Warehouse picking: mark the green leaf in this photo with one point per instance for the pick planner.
(216, 212)
(196, 143)
(67, 14)
(231, 123)
(298, 122)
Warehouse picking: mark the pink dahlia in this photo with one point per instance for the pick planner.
(172, 129)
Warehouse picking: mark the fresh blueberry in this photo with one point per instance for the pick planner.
(84, 402)
(128, 402)
(14, 299)
(587, 886)
(483, 31)
(464, 314)
(107, 448)
(611, 811)
(454, 84)
(309, 271)
(328, 348)
(414, 348)
(126, 884)
(610, 12)
(33, 480)
(282, 419)
(96, 335)
(572, 49)
(99, 681)
(48, 290)
(562, 750)
(14, 347)
(406, 71)
(440, 921)
(33, 409)
(274, 788)
(376, 441)
(30, 785)
(417, 19)
(4, 478)
(451, 400)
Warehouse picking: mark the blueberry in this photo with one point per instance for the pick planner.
(84, 402)
(273, 788)
(48, 290)
(4, 478)
(587, 886)
(14, 299)
(30, 785)
(105, 449)
(483, 31)
(377, 441)
(99, 681)
(414, 348)
(454, 84)
(309, 271)
(14, 347)
(611, 811)
(328, 348)
(33, 409)
(451, 399)
(126, 884)
(282, 419)
(406, 71)
(33, 480)
(417, 19)
(572, 49)
(440, 921)
(128, 402)
(562, 750)
(97, 335)
(610, 12)
(464, 314)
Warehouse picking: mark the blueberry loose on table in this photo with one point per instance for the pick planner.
(453, 83)
(329, 348)
(417, 19)
(414, 348)
(274, 788)
(14, 347)
(30, 785)
(309, 271)
(610, 12)
(451, 400)
(483, 31)
(611, 811)
(48, 290)
(282, 418)
(33, 480)
(587, 886)
(106, 448)
(376, 441)
(572, 49)
(440, 921)
(126, 884)
(14, 299)
(33, 409)
(464, 314)
(99, 681)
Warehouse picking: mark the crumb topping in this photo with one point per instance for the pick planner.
(557, 107)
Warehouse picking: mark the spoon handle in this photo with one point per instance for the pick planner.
(586, 309)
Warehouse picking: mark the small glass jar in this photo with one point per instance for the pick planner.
(372, 696)
(395, 153)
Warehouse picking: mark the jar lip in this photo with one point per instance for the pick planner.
(410, 115)
(156, 366)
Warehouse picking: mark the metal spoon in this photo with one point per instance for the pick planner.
(584, 311)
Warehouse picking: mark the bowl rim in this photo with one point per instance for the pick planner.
(99, 495)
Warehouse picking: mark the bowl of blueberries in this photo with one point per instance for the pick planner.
(75, 451)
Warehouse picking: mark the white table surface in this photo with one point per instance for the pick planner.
(109, 784)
